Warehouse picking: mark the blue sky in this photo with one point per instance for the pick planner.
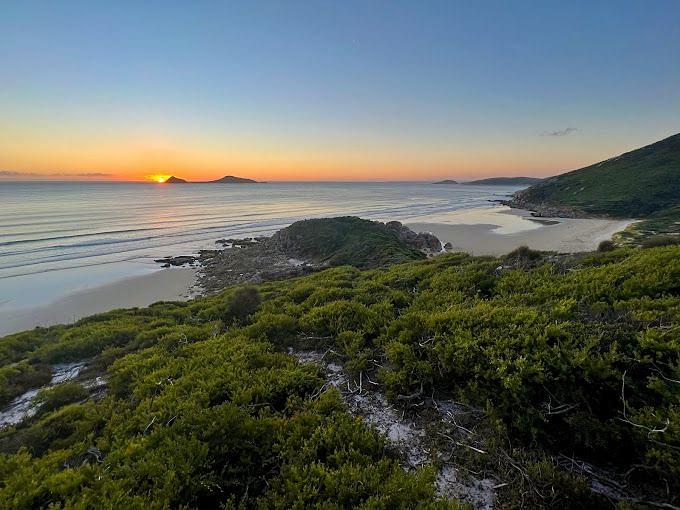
(334, 90)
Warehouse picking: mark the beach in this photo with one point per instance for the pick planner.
(499, 230)
(137, 291)
(492, 230)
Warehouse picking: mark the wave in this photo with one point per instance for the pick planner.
(147, 224)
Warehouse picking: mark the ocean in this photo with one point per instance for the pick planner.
(60, 237)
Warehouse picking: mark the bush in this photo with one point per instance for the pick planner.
(60, 395)
(658, 241)
(240, 305)
(523, 257)
(606, 245)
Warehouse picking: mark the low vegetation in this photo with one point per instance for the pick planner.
(573, 358)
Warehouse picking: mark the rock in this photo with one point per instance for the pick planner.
(176, 261)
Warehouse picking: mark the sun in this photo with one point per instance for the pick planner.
(159, 178)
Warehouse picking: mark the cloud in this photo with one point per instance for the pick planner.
(12, 173)
(560, 132)
(90, 174)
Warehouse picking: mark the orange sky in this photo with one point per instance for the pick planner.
(35, 155)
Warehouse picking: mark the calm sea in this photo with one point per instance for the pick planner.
(57, 237)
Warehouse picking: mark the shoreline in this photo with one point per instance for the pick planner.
(497, 238)
(494, 231)
(174, 284)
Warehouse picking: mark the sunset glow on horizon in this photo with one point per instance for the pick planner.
(279, 92)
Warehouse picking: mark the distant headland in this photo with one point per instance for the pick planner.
(505, 181)
(496, 181)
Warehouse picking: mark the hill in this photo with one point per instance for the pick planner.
(636, 184)
(354, 241)
(231, 179)
(175, 180)
(446, 181)
(505, 181)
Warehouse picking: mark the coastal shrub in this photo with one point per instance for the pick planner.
(574, 356)
(523, 257)
(59, 395)
(338, 316)
(16, 379)
(606, 245)
(243, 302)
(660, 240)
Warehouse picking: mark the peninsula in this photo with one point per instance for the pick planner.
(504, 181)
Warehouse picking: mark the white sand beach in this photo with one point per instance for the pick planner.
(499, 230)
(480, 231)
(163, 285)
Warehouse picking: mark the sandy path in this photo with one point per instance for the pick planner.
(164, 285)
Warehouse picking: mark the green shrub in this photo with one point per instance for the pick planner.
(57, 396)
(606, 245)
(242, 303)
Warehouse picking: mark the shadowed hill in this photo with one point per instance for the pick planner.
(232, 179)
(175, 180)
(636, 184)
(354, 241)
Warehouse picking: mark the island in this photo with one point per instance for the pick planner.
(232, 179)
(227, 179)
(175, 180)
(446, 181)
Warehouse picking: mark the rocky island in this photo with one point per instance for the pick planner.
(227, 179)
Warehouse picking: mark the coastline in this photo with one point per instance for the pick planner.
(494, 235)
(494, 231)
(135, 291)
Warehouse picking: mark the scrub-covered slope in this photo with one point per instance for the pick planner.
(636, 184)
(558, 368)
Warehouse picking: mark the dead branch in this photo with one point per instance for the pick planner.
(625, 418)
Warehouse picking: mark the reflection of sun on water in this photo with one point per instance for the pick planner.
(158, 178)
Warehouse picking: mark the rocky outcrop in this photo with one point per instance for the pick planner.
(518, 201)
(423, 241)
(307, 246)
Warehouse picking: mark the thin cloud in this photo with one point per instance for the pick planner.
(90, 174)
(560, 132)
(12, 173)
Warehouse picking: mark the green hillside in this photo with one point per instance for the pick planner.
(636, 184)
(549, 362)
(345, 240)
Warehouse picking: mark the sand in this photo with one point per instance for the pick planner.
(485, 231)
(499, 230)
(163, 285)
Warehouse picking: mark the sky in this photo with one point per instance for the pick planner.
(332, 90)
